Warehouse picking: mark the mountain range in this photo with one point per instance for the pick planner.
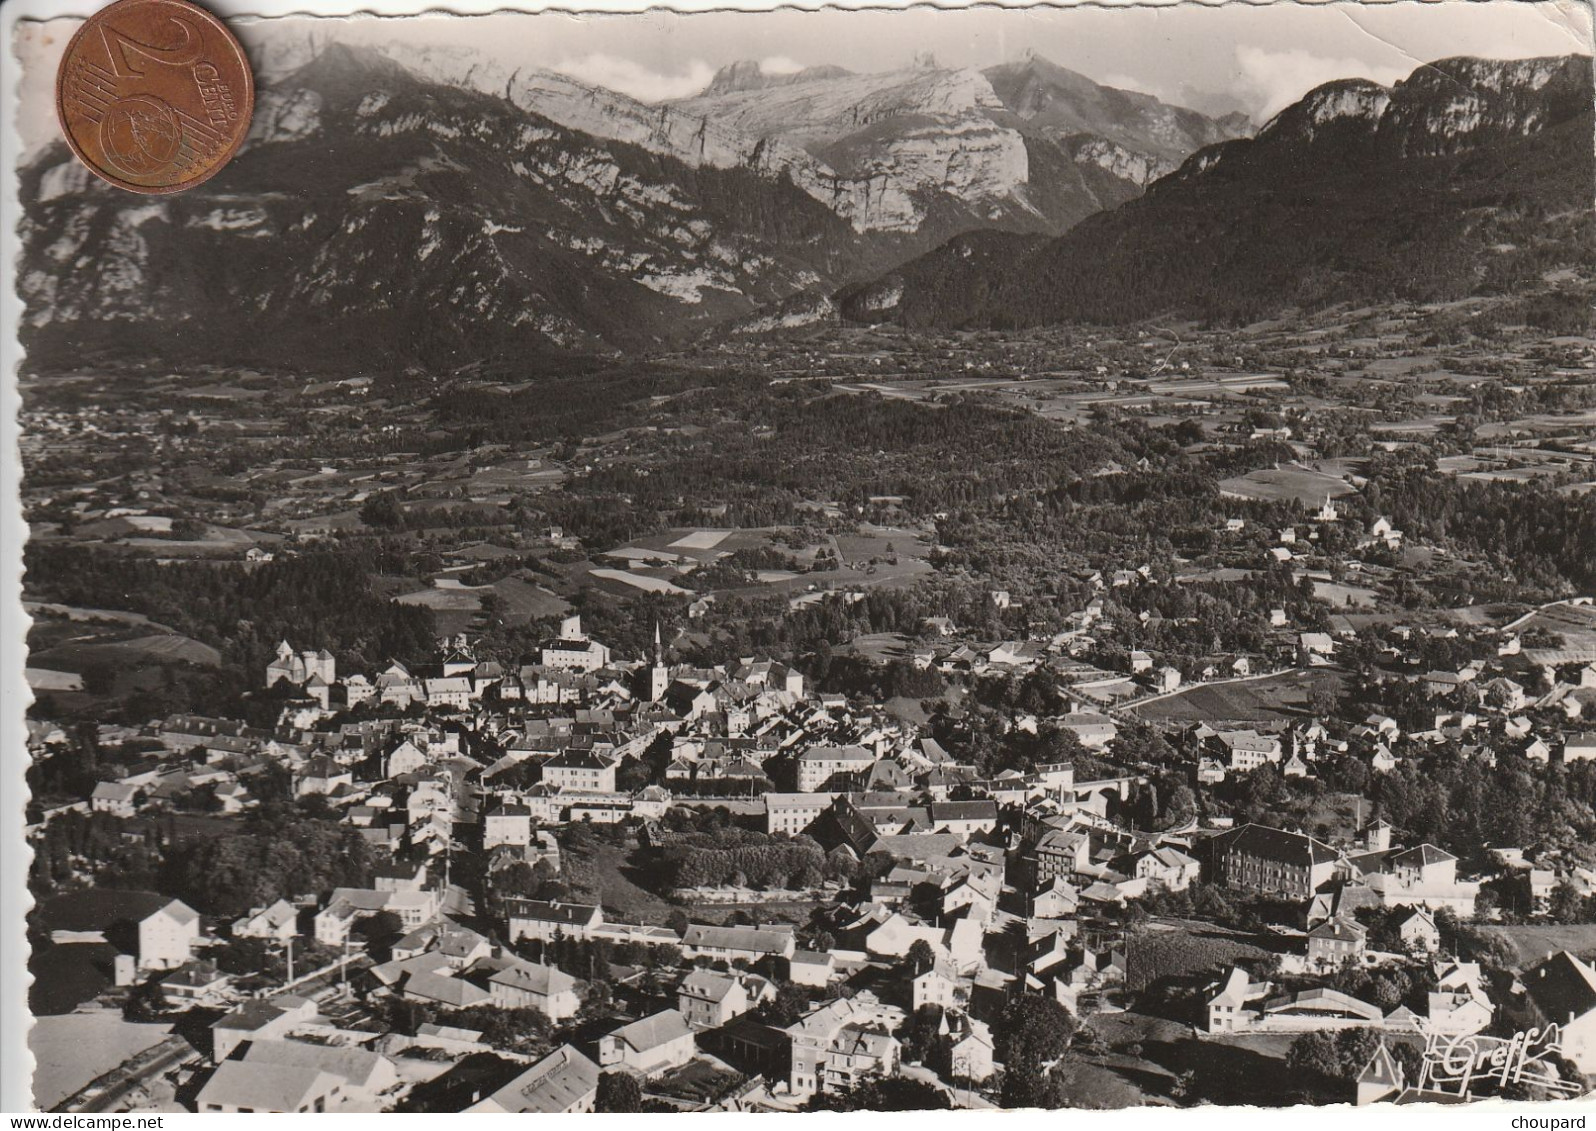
(1470, 176)
(429, 207)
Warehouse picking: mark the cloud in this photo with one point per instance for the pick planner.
(780, 65)
(626, 76)
(1269, 81)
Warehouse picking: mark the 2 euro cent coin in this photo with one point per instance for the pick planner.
(154, 96)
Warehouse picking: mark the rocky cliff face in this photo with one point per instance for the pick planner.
(454, 227)
(971, 137)
(474, 211)
(1469, 176)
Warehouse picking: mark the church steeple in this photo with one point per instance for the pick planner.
(659, 676)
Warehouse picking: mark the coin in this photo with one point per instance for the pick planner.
(154, 96)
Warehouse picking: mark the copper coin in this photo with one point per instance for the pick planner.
(154, 96)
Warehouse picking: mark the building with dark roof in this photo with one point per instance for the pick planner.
(1561, 990)
(538, 919)
(1271, 861)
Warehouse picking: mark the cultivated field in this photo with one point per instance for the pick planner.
(1534, 941)
(1270, 699)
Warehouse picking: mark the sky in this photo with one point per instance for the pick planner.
(1253, 57)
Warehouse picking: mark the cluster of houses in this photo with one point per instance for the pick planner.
(985, 886)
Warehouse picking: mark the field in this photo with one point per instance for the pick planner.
(73, 1051)
(1576, 624)
(1534, 941)
(881, 647)
(1269, 699)
(600, 873)
(75, 642)
(1181, 948)
(1306, 486)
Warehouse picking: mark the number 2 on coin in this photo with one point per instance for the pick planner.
(179, 55)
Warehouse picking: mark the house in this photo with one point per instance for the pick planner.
(195, 984)
(365, 1077)
(731, 943)
(1061, 853)
(1458, 1014)
(649, 1047)
(563, 1082)
(439, 988)
(893, 937)
(970, 1047)
(1246, 750)
(167, 936)
(819, 764)
(1058, 899)
(1381, 1079)
(457, 946)
(963, 817)
(278, 923)
(258, 1020)
(1271, 861)
(405, 758)
(507, 824)
(1095, 731)
(1579, 747)
(1315, 647)
(400, 875)
(115, 798)
(1419, 933)
(935, 985)
(1561, 990)
(1336, 942)
(237, 1086)
(708, 1000)
(1167, 867)
(795, 812)
(581, 770)
(548, 989)
(543, 920)
(1231, 1009)
(811, 968)
(837, 1044)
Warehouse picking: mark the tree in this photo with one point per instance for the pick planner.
(790, 1003)
(1029, 1085)
(1034, 1033)
(618, 1092)
(382, 510)
(921, 957)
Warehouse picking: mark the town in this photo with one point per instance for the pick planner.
(595, 881)
(829, 717)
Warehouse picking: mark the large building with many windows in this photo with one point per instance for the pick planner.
(1271, 861)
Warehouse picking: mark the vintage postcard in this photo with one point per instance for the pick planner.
(840, 560)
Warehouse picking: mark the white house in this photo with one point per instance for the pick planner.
(651, 1046)
(167, 936)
